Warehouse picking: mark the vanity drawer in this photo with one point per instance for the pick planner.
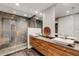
(67, 51)
(57, 52)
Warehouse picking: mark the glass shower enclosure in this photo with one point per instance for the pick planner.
(12, 32)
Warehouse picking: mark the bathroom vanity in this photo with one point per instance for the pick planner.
(48, 48)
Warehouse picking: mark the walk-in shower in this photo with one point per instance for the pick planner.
(12, 32)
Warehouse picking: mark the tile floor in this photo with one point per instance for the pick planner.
(12, 49)
(25, 52)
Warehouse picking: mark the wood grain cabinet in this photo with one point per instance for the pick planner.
(50, 49)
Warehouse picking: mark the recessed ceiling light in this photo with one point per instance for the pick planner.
(41, 14)
(25, 14)
(36, 18)
(36, 12)
(68, 11)
(17, 4)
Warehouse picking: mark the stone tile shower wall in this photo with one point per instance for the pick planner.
(21, 29)
(14, 31)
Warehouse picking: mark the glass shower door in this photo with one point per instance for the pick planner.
(12, 35)
(13, 32)
(9, 31)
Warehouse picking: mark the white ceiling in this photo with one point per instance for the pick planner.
(24, 8)
(61, 9)
(30, 8)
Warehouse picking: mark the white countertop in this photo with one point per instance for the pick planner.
(52, 41)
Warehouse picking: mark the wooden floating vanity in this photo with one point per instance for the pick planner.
(51, 49)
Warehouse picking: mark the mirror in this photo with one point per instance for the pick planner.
(46, 31)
